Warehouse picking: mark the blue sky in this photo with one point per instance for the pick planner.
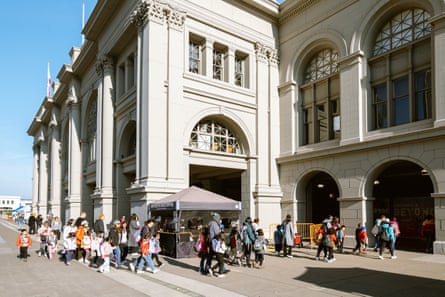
(33, 33)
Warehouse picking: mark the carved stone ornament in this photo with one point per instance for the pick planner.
(148, 10)
(266, 54)
(104, 64)
(176, 19)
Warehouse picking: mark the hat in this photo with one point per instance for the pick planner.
(215, 216)
(116, 222)
(84, 223)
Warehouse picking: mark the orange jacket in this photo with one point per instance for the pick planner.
(23, 241)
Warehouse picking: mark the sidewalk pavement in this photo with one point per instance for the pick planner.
(411, 274)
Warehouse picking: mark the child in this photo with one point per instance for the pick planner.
(259, 248)
(357, 239)
(155, 249)
(145, 258)
(86, 246)
(52, 244)
(44, 233)
(203, 251)
(106, 250)
(96, 242)
(23, 242)
(340, 238)
(363, 238)
(70, 247)
(278, 240)
(332, 237)
(236, 247)
(219, 246)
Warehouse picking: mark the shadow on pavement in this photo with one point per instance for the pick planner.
(365, 282)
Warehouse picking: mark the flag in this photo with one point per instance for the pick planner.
(48, 88)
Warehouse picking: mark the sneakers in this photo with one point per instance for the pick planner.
(210, 272)
(393, 257)
(380, 257)
(221, 275)
(161, 265)
(139, 272)
(155, 271)
(131, 266)
(289, 256)
(317, 258)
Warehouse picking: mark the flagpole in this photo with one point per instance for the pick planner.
(48, 87)
(83, 21)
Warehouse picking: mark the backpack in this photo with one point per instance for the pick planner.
(243, 234)
(318, 237)
(257, 245)
(384, 235)
(137, 235)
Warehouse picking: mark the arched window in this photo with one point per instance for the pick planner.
(401, 70)
(92, 130)
(213, 136)
(320, 104)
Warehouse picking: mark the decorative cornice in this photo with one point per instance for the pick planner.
(104, 64)
(148, 10)
(300, 8)
(266, 54)
(176, 19)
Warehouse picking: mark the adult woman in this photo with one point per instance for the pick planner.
(428, 231)
(123, 240)
(288, 238)
(133, 228)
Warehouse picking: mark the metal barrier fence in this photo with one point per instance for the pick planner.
(305, 230)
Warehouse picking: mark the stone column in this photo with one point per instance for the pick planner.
(267, 192)
(438, 91)
(439, 216)
(104, 193)
(352, 112)
(42, 206)
(207, 58)
(35, 176)
(229, 64)
(74, 153)
(288, 118)
(55, 182)
(174, 158)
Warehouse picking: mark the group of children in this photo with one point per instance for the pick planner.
(230, 247)
(88, 247)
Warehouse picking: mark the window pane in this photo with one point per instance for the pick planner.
(380, 107)
(401, 101)
(194, 57)
(402, 29)
(423, 95)
(322, 65)
(212, 136)
(322, 117)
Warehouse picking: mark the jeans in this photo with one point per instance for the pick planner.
(68, 256)
(145, 259)
(117, 254)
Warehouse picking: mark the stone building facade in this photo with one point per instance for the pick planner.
(309, 108)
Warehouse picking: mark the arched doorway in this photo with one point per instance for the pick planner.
(403, 190)
(322, 193)
(217, 150)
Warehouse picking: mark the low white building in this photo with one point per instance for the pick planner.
(9, 203)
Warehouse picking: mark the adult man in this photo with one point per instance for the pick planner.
(99, 225)
(214, 230)
(248, 238)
